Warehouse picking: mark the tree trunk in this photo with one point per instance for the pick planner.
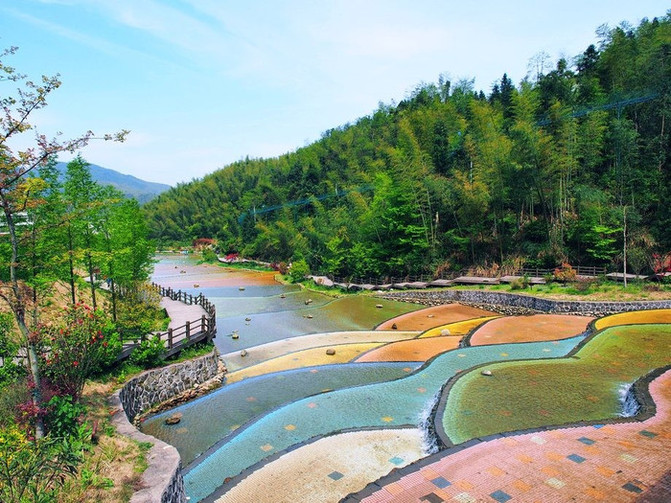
(72, 266)
(19, 310)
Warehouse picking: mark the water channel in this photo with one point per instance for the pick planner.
(241, 425)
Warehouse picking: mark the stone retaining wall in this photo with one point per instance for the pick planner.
(523, 303)
(162, 480)
(156, 386)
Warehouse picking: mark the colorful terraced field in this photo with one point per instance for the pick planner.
(294, 423)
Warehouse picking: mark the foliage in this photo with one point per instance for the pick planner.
(9, 370)
(520, 283)
(32, 471)
(539, 170)
(64, 417)
(12, 395)
(84, 344)
(299, 270)
(210, 256)
(139, 312)
(565, 273)
(149, 353)
(661, 263)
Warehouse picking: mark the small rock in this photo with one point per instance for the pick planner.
(283, 296)
(242, 288)
(430, 315)
(243, 353)
(309, 316)
(196, 285)
(174, 419)
(379, 306)
(486, 373)
(330, 351)
(309, 301)
(394, 327)
(235, 334)
(248, 319)
(445, 331)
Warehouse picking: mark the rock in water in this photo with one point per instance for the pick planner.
(243, 353)
(174, 419)
(486, 373)
(330, 351)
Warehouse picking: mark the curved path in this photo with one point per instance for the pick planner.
(623, 462)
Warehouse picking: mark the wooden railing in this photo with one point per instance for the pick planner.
(192, 332)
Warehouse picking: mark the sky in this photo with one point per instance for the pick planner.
(204, 83)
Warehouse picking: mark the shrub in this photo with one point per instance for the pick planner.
(584, 285)
(12, 394)
(139, 313)
(298, 270)
(64, 417)
(210, 256)
(84, 345)
(149, 353)
(565, 273)
(520, 283)
(32, 471)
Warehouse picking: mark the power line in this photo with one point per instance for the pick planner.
(303, 202)
(606, 106)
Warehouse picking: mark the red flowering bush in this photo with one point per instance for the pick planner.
(661, 263)
(83, 344)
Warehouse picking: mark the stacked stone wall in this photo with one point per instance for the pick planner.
(510, 303)
(162, 481)
(156, 386)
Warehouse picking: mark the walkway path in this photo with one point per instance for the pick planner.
(613, 463)
(179, 313)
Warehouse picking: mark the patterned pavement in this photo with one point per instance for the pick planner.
(329, 468)
(620, 462)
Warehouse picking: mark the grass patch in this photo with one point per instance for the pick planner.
(523, 395)
(195, 351)
(594, 290)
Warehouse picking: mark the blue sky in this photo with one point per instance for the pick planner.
(203, 83)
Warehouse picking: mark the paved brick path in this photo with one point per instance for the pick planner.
(622, 462)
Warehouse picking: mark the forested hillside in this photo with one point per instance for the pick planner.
(542, 172)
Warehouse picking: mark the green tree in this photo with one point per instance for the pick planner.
(15, 188)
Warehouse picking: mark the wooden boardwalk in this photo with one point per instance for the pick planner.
(192, 320)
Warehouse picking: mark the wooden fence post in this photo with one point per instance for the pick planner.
(170, 338)
(188, 330)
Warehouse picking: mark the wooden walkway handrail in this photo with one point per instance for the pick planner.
(178, 338)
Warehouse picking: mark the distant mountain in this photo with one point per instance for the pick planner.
(131, 186)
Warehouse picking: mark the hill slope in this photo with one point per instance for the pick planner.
(540, 173)
(131, 186)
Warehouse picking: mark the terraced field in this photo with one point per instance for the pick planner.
(319, 415)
